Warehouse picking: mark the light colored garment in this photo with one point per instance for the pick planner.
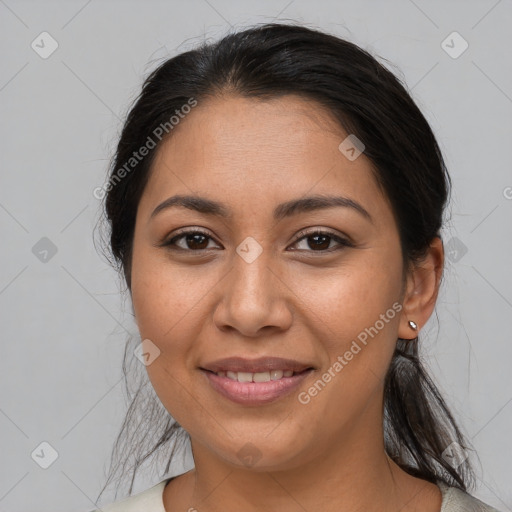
(150, 500)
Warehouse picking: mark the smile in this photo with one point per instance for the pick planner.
(253, 389)
(256, 377)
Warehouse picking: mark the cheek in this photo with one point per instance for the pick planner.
(344, 302)
(164, 304)
(169, 304)
(355, 315)
(166, 296)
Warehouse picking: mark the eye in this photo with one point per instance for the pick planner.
(196, 240)
(191, 240)
(321, 240)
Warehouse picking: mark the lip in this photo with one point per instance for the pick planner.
(255, 393)
(261, 364)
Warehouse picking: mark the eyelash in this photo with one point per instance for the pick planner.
(343, 242)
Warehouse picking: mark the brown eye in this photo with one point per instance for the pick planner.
(320, 241)
(196, 241)
(315, 241)
(191, 240)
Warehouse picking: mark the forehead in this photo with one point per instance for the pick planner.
(253, 150)
(277, 129)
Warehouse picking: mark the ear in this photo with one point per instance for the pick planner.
(422, 289)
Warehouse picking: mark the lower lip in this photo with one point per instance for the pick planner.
(255, 393)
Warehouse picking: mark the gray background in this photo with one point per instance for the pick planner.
(64, 321)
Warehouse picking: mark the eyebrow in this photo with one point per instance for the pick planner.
(281, 211)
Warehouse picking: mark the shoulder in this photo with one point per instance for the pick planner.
(149, 500)
(455, 500)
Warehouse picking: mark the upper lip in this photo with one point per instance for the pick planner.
(262, 364)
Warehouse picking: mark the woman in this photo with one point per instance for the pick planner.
(275, 206)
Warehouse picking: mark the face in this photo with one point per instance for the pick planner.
(320, 286)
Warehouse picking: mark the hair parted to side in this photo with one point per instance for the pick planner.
(268, 61)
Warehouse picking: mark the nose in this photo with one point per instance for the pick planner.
(254, 299)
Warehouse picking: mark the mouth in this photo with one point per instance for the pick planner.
(255, 382)
(261, 365)
(267, 376)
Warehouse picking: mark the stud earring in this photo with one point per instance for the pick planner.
(413, 325)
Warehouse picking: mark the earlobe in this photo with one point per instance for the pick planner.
(422, 290)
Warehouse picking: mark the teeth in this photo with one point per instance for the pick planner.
(244, 377)
(261, 377)
(256, 377)
(276, 374)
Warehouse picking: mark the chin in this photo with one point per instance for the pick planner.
(260, 453)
